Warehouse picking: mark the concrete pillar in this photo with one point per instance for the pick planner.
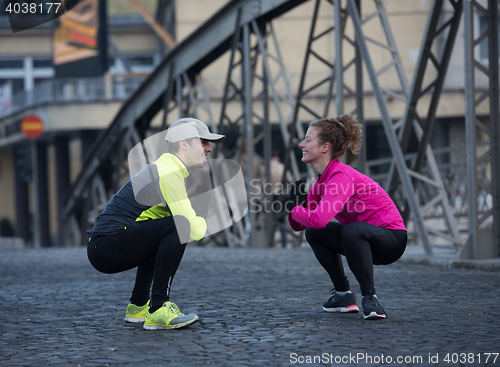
(61, 144)
(41, 195)
(22, 175)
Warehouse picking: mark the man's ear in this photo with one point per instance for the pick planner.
(183, 144)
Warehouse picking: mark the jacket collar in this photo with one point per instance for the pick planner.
(180, 165)
(330, 169)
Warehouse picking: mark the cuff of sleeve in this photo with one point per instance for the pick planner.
(296, 226)
(198, 228)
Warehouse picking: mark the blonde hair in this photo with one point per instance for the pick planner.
(341, 133)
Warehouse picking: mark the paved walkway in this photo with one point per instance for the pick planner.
(257, 307)
(446, 256)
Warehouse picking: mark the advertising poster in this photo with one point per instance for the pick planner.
(76, 47)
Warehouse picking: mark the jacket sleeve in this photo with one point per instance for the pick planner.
(174, 191)
(312, 202)
(296, 226)
(320, 211)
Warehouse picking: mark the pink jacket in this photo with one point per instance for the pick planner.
(349, 196)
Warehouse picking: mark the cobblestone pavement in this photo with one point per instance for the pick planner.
(257, 307)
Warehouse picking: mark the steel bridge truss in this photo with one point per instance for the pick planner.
(426, 177)
(256, 68)
(184, 92)
(339, 90)
(423, 168)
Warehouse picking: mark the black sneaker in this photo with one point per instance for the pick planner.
(338, 303)
(372, 309)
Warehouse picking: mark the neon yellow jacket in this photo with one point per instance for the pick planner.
(140, 199)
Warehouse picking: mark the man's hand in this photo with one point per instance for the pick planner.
(296, 196)
(201, 200)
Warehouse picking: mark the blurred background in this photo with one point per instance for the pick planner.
(79, 92)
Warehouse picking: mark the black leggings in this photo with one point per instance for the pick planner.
(153, 247)
(363, 245)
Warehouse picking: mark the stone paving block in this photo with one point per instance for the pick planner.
(257, 307)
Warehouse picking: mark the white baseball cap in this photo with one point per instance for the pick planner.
(187, 128)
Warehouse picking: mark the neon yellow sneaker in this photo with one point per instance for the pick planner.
(168, 317)
(136, 313)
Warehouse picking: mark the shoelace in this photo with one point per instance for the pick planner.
(370, 301)
(172, 307)
(333, 292)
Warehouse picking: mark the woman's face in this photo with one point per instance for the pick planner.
(311, 149)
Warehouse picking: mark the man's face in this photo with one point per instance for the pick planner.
(197, 153)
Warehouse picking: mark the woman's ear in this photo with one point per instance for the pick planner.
(325, 148)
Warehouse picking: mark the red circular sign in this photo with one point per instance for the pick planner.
(32, 126)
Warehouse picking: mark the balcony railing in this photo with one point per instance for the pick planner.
(96, 89)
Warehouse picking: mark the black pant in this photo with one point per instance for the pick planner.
(153, 247)
(363, 245)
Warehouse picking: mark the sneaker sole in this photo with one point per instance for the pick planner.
(134, 319)
(352, 308)
(373, 316)
(163, 327)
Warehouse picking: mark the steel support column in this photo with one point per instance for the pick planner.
(494, 54)
(41, 195)
(247, 119)
(359, 113)
(61, 145)
(271, 220)
(339, 18)
(389, 129)
(423, 127)
(239, 235)
(22, 156)
(483, 220)
(165, 15)
(280, 99)
(268, 223)
(335, 70)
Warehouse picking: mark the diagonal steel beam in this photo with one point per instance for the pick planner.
(389, 130)
(411, 120)
(417, 90)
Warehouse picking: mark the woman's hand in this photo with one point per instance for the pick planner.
(297, 195)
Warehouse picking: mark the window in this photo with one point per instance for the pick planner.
(17, 84)
(484, 45)
(138, 63)
(42, 63)
(40, 80)
(25, 72)
(139, 60)
(11, 64)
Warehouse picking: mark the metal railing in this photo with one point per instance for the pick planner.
(454, 175)
(95, 89)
